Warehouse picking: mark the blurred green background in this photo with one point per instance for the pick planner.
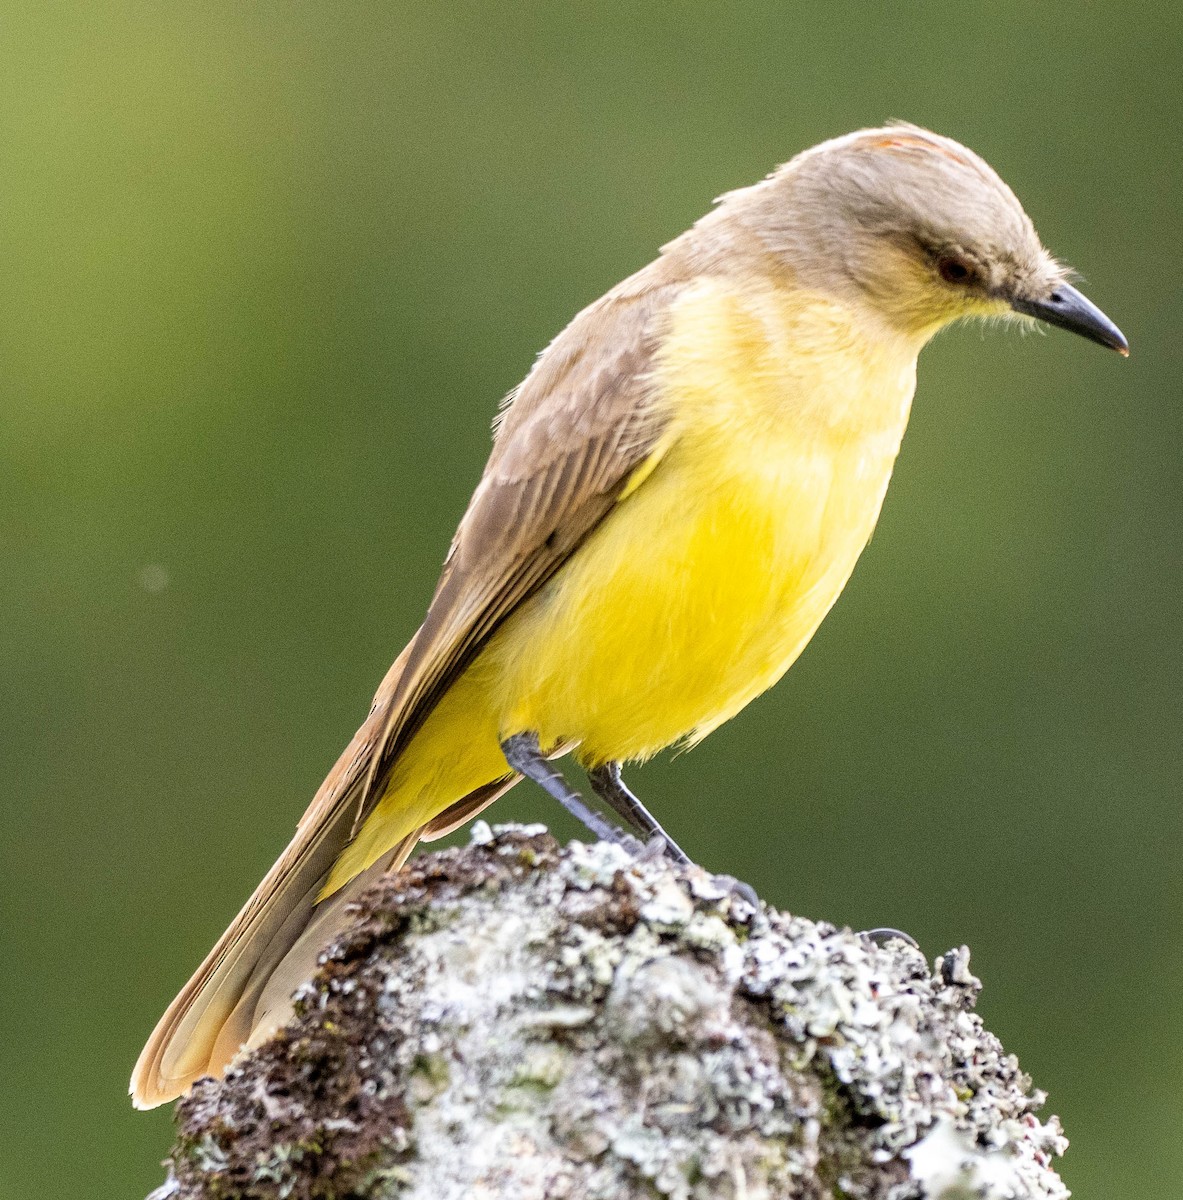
(265, 271)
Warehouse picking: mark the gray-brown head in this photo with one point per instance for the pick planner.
(917, 225)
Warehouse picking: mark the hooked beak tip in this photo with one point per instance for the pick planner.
(1070, 309)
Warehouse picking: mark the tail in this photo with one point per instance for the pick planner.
(215, 1012)
(242, 991)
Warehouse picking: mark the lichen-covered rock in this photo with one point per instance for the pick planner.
(512, 1020)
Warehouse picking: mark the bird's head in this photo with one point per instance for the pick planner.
(920, 228)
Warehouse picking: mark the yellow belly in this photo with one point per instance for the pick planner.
(693, 598)
(702, 586)
(706, 582)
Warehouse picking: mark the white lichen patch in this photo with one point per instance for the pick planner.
(586, 1026)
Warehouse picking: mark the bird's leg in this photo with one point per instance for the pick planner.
(606, 783)
(524, 754)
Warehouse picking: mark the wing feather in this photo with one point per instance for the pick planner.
(565, 450)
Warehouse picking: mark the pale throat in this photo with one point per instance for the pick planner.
(787, 362)
(855, 370)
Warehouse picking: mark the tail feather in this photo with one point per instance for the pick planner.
(214, 1012)
(267, 1004)
(242, 991)
(466, 808)
(194, 1036)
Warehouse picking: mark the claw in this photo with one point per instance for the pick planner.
(884, 935)
(737, 887)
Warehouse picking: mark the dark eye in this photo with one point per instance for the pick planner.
(953, 269)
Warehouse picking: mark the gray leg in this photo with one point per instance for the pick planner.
(523, 753)
(606, 783)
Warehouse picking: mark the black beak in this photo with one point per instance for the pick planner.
(1069, 309)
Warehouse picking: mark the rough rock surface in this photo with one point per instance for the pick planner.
(516, 1020)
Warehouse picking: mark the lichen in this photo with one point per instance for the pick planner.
(515, 1020)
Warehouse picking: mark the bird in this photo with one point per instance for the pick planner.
(676, 495)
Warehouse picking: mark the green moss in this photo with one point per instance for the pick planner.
(543, 1066)
(430, 1076)
(205, 1153)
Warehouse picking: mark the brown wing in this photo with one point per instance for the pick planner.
(577, 428)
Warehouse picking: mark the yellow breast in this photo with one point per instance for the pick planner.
(707, 581)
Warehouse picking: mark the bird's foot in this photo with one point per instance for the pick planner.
(737, 887)
(659, 846)
(884, 935)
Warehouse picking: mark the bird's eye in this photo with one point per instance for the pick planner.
(954, 269)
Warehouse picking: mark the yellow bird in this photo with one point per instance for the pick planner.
(676, 495)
